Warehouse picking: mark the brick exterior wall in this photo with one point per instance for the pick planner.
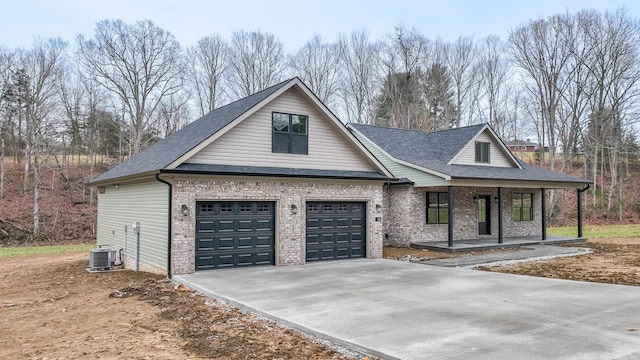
(405, 215)
(290, 236)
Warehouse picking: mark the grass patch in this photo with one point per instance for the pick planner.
(598, 231)
(36, 250)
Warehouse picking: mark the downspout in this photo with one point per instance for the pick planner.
(450, 215)
(579, 193)
(169, 224)
(543, 210)
(500, 221)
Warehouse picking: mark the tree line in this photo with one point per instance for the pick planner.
(570, 79)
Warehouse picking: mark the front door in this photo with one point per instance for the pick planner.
(484, 215)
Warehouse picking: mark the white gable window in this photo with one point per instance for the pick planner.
(482, 152)
(289, 133)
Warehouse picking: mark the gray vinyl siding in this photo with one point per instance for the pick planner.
(146, 203)
(420, 178)
(249, 143)
(496, 155)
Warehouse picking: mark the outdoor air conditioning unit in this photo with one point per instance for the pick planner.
(101, 259)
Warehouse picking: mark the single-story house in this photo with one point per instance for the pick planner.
(274, 178)
(277, 179)
(459, 184)
(523, 146)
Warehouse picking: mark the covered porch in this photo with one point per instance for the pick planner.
(491, 244)
(507, 240)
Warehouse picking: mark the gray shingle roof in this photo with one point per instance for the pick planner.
(433, 151)
(275, 171)
(164, 152)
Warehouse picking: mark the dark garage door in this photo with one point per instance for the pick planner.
(335, 230)
(232, 234)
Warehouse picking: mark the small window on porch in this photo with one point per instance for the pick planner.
(522, 207)
(437, 208)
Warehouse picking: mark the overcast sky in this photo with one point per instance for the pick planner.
(293, 22)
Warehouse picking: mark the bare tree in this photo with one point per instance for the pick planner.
(494, 73)
(572, 110)
(5, 76)
(139, 63)
(360, 76)
(172, 114)
(542, 50)
(256, 61)
(40, 68)
(208, 64)
(612, 40)
(318, 65)
(460, 61)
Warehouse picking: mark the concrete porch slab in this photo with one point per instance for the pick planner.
(492, 243)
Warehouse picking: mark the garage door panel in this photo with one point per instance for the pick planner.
(204, 244)
(313, 239)
(245, 259)
(342, 253)
(245, 242)
(264, 241)
(225, 243)
(327, 223)
(327, 254)
(203, 226)
(313, 254)
(230, 234)
(205, 262)
(335, 230)
(313, 223)
(245, 225)
(357, 251)
(225, 261)
(342, 238)
(226, 226)
(264, 224)
(327, 239)
(265, 258)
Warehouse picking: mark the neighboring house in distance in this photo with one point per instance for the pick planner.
(523, 146)
(458, 184)
(274, 178)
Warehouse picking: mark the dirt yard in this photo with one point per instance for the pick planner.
(51, 308)
(613, 261)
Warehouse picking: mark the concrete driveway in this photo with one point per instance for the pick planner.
(399, 310)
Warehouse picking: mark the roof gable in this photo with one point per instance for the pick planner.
(166, 151)
(499, 154)
(428, 150)
(172, 151)
(436, 153)
(249, 143)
